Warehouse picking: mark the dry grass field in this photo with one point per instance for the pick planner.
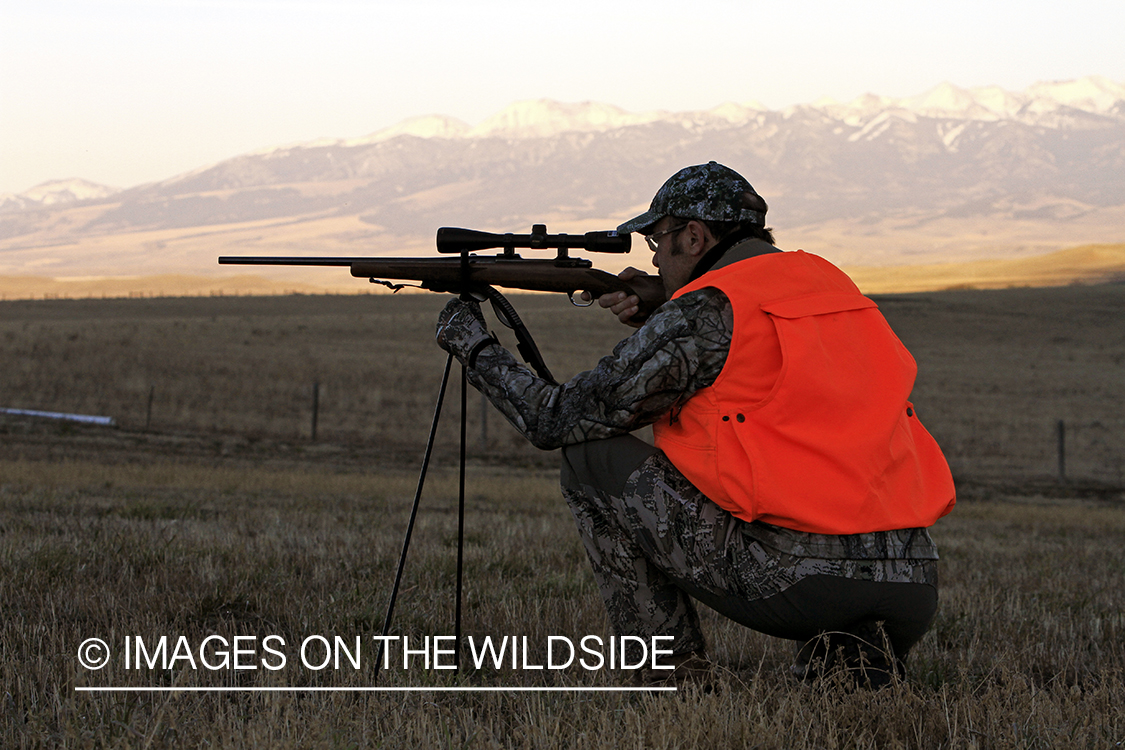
(214, 513)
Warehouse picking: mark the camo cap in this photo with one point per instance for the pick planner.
(710, 192)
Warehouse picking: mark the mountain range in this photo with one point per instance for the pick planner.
(953, 174)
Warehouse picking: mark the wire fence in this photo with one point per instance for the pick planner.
(1039, 447)
(321, 411)
(364, 370)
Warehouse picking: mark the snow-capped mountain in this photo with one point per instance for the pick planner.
(1045, 104)
(939, 149)
(56, 192)
(545, 118)
(1051, 104)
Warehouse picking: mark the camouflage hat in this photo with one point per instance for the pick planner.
(708, 191)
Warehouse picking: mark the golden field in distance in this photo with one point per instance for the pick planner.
(1084, 264)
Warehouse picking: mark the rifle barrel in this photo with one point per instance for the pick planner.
(271, 260)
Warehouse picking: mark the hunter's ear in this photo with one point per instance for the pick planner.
(699, 237)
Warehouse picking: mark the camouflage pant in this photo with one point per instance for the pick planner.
(655, 542)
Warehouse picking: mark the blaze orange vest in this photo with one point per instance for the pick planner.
(808, 425)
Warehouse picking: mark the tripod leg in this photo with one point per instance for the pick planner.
(460, 522)
(414, 511)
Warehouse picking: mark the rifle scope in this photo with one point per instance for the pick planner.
(455, 240)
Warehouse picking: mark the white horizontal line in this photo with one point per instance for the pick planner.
(88, 418)
(372, 689)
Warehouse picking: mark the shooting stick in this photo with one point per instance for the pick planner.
(464, 241)
(414, 515)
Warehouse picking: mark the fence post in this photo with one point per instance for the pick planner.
(148, 411)
(315, 407)
(1062, 450)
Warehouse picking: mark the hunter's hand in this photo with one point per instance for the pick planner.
(461, 330)
(627, 307)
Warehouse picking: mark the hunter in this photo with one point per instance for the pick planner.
(791, 482)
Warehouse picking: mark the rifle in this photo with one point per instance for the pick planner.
(475, 276)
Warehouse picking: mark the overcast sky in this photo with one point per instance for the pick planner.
(123, 91)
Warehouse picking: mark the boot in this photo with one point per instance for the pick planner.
(862, 655)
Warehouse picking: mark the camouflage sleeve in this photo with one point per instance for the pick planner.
(681, 349)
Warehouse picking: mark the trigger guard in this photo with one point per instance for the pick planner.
(576, 303)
